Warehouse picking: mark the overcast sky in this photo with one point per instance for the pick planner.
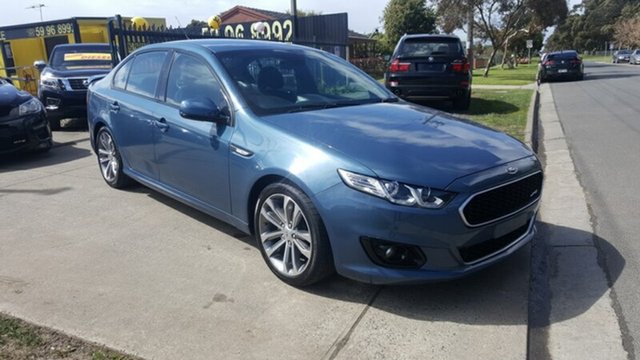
(364, 16)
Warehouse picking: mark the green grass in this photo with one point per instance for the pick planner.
(504, 110)
(599, 58)
(21, 340)
(522, 75)
(12, 330)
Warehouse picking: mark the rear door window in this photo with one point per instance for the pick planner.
(145, 73)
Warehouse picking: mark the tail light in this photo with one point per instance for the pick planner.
(549, 63)
(460, 66)
(397, 66)
(576, 62)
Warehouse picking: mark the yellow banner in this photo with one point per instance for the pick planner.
(86, 56)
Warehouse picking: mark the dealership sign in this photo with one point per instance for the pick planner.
(40, 30)
(279, 30)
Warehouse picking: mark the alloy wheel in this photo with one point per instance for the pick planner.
(285, 235)
(107, 157)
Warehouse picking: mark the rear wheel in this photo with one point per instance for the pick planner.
(462, 102)
(110, 161)
(54, 123)
(291, 236)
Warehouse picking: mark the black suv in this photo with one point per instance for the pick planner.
(430, 67)
(63, 82)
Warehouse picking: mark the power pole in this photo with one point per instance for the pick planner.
(37, 6)
(294, 12)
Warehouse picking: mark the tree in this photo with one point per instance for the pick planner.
(195, 26)
(627, 32)
(407, 17)
(499, 21)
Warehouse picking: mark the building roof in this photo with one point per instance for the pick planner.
(241, 13)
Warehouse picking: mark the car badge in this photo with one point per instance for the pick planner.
(511, 170)
(85, 82)
(430, 59)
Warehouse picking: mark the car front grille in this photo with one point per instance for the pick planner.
(502, 201)
(77, 83)
(478, 251)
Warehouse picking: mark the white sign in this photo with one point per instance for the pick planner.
(529, 44)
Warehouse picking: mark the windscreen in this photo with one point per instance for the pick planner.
(562, 56)
(81, 57)
(422, 47)
(276, 81)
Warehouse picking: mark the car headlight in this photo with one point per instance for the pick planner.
(30, 107)
(397, 192)
(50, 82)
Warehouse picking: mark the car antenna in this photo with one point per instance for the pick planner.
(183, 30)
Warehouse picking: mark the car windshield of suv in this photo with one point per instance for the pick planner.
(421, 47)
(275, 81)
(82, 57)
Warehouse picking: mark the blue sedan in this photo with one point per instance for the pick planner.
(324, 166)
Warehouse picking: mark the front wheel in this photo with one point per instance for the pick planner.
(291, 236)
(110, 161)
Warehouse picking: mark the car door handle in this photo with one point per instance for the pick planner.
(162, 124)
(114, 107)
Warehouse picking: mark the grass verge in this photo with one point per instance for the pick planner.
(522, 75)
(504, 110)
(20, 340)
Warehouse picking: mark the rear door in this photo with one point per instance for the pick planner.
(132, 110)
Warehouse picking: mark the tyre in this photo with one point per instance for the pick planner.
(54, 124)
(291, 236)
(110, 161)
(463, 102)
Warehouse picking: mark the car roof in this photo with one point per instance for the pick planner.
(223, 45)
(562, 52)
(430, 36)
(62, 46)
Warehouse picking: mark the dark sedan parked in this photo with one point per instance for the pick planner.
(327, 168)
(430, 67)
(565, 64)
(23, 123)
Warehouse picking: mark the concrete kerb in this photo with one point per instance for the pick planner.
(530, 133)
(566, 267)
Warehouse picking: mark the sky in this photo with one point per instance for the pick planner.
(364, 16)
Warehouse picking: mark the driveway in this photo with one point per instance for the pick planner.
(139, 272)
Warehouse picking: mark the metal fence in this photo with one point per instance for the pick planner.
(326, 32)
(23, 77)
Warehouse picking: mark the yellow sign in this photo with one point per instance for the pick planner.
(86, 56)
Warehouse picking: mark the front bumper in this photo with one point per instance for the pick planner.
(64, 104)
(437, 88)
(441, 235)
(25, 133)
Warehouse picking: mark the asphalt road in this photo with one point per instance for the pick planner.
(601, 120)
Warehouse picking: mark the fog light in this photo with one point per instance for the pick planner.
(392, 254)
(52, 104)
(393, 83)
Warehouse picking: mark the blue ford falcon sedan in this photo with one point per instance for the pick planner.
(324, 166)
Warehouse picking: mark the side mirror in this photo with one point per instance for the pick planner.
(39, 64)
(203, 109)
